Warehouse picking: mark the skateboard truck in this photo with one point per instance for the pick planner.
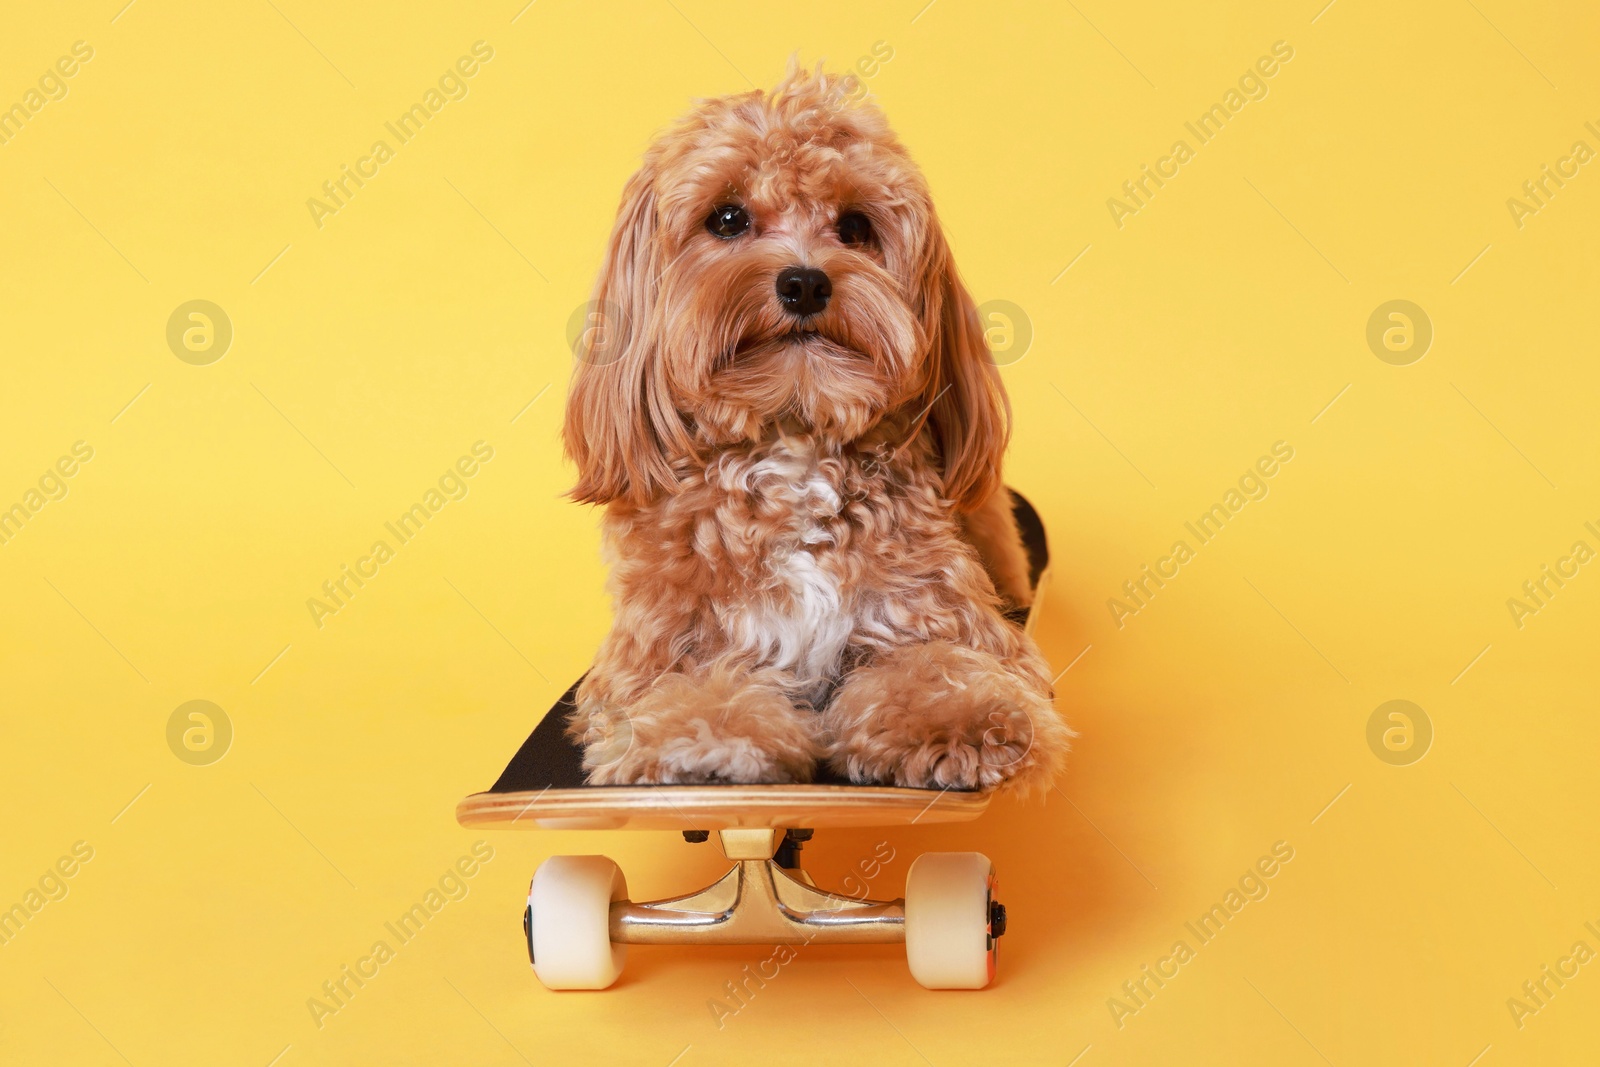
(579, 920)
(760, 901)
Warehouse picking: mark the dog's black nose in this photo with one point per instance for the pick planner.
(803, 290)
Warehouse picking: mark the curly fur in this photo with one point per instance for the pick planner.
(805, 523)
(941, 714)
(711, 726)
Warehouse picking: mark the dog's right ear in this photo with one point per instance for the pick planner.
(618, 397)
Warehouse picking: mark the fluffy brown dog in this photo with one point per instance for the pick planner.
(792, 418)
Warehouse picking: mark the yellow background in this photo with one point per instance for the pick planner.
(1225, 716)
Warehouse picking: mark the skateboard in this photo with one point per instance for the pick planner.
(578, 922)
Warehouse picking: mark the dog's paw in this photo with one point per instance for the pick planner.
(942, 716)
(704, 730)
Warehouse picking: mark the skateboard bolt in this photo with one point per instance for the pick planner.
(997, 919)
(801, 835)
(695, 837)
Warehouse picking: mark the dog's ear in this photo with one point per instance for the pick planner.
(617, 405)
(969, 416)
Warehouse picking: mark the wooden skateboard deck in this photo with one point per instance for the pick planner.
(718, 807)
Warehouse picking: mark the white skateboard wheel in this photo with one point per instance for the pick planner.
(949, 942)
(569, 927)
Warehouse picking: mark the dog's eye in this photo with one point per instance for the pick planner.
(728, 220)
(854, 229)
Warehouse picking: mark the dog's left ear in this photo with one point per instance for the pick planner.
(970, 417)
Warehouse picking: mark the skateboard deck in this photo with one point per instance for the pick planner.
(719, 807)
(543, 786)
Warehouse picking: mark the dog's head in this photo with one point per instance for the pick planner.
(777, 259)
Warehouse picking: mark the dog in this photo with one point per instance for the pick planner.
(791, 417)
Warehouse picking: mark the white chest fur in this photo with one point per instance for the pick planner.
(793, 614)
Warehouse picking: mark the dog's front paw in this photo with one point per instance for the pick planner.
(703, 730)
(942, 716)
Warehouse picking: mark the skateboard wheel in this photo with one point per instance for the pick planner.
(569, 922)
(950, 941)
